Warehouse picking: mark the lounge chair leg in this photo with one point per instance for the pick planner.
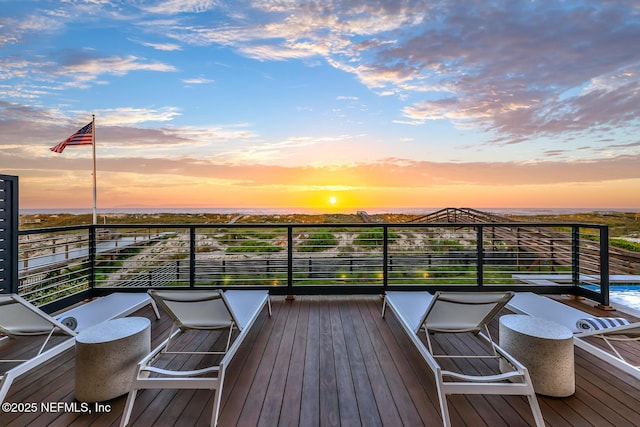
(535, 409)
(444, 408)
(217, 398)
(5, 384)
(533, 401)
(128, 407)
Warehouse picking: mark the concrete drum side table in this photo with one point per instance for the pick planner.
(107, 355)
(545, 348)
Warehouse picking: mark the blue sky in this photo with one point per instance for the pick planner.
(204, 103)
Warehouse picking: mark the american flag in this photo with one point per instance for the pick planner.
(83, 137)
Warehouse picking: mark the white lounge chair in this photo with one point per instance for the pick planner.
(112, 306)
(202, 310)
(461, 312)
(546, 308)
(19, 318)
(550, 309)
(622, 333)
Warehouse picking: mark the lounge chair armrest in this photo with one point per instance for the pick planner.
(192, 373)
(484, 378)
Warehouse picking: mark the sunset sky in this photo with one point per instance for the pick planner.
(333, 104)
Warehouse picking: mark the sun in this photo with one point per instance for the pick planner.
(332, 200)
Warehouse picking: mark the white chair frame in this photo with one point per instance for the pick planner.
(244, 307)
(412, 309)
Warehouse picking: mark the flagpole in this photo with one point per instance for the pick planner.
(95, 192)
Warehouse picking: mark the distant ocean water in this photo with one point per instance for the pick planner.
(311, 211)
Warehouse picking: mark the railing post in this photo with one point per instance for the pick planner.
(385, 257)
(480, 256)
(92, 256)
(575, 256)
(518, 248)
(192, 256)
(604, 264)
(290, 295)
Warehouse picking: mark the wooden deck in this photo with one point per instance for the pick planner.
(328, 361)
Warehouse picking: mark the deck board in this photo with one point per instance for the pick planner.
(272, 404)
(367, 406)
(397, 370)
(324, 361)
(328, 391)
(292, 396)
(373, 369)
(310, 404)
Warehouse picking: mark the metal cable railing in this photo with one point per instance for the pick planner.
(314, 258)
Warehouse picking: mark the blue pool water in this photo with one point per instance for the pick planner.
(626, 295)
